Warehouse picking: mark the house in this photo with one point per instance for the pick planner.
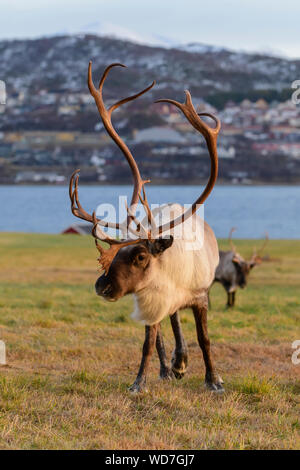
(158, 134)
(78, 229)
(68, 110)
(34, 177)
(2, 93)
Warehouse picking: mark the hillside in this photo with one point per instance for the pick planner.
(47, 95)
(58, 64)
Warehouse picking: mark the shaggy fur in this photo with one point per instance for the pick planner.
(181, 275)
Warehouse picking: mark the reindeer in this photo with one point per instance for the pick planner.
(153, 263)
(233, 271)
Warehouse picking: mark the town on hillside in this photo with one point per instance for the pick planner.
(259, 142)
(50, 125)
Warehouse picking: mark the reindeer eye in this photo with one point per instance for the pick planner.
(139, 258)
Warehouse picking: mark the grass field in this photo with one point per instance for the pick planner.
(71, 358)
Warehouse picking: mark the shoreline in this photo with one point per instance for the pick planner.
(219, 239)
(157, 183)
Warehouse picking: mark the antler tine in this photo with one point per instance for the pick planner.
(77, 208)
(106, 71)
(93, 89)
(214, 118)
(140, 231)
(233, 248)
(100, 235)
(130, 98)
(260, 251)
(210, 134)
(190, 113)
(84, 215)
(151, 220)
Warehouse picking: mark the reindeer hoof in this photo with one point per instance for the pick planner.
(179, 364)
(166, 374)
(179, 374)
(137, 387)
(214, 384)
(215, 387)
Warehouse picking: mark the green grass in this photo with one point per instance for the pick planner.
(72, 356)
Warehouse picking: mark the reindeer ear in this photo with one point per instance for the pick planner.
(160, 245)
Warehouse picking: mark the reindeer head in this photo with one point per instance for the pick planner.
(242, 266)
(128, 263)
(131, 269)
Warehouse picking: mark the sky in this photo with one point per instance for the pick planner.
(248, 25)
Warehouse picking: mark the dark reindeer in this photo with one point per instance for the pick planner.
(233, 271)
(153, 263)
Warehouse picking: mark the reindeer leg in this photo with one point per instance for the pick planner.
(212, 379)
(165, 371)
(180, 354)
(209, 302)
(148, 347)
(229, 300)
(233, 299)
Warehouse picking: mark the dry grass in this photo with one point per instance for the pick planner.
(72, 356)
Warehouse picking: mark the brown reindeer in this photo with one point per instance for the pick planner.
(233, 270)
(161, 262)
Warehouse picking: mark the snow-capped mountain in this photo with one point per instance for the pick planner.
(60, 63)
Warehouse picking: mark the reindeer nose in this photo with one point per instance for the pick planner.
(103, 287)
(107, 290)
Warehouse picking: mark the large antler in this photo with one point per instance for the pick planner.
(105, 115)
(260, 251)
(106, 119)
(210, 135)
(257, 254)
(106, 256)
